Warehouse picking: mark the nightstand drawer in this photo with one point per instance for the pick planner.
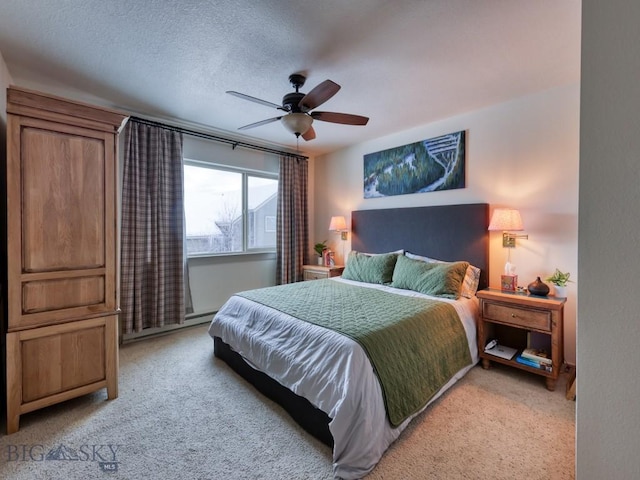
(521, 317)
(314, 275)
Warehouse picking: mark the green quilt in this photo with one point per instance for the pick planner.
(415, 345)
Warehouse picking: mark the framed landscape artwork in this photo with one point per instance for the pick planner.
(426, 166)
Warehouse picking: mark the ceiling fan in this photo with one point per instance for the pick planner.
(298, 106)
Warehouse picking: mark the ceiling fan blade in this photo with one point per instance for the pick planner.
(254, 99)
(320, 94)
(344, 118)
(261, 122)
(309, 134)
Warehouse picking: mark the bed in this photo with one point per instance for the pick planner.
(334, 384)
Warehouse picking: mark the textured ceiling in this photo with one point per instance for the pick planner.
(403, 63)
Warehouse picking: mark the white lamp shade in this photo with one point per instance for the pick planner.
(338, 224)
(506, 219)
(297, 123)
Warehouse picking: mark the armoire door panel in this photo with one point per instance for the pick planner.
(56, 363)
(63, 201)
(58, 294)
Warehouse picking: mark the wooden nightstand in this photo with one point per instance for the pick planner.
(315, 272)
(509, 317)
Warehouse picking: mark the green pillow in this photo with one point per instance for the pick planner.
(437, 279)
(370, 268)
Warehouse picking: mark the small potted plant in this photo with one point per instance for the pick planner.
(319, 248)
(559, 280)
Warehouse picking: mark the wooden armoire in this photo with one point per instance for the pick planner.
(61, 293)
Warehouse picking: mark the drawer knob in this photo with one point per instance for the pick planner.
(513, 315)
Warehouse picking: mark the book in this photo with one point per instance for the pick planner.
(532, 363)
(502, 351)
(537, 354)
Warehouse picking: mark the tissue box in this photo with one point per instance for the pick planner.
(509, 283)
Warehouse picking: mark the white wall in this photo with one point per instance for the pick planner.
(608, 414)
(521, 154)
(5, 81)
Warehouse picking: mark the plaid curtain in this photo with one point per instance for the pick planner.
(292, 220)
(152, 257)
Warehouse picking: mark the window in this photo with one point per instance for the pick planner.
(228, 210)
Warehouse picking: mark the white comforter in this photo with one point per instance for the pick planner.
(330, 370)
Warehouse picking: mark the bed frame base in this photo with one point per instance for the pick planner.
(312, 419)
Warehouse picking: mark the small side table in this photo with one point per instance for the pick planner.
(507, 317)
(316, 272)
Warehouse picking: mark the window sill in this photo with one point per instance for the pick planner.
(232, 254)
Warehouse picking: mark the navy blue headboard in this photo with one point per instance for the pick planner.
(447, 232)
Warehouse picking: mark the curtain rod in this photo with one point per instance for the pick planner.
(209, 136)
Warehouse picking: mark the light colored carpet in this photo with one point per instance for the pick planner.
(183, 414)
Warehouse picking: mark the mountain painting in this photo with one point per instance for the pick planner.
(427, 166)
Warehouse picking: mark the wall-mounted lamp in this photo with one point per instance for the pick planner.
(339, 224)
(507, 220)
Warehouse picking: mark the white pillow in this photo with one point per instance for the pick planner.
(413, 256)
(397, 252)
(471, 278)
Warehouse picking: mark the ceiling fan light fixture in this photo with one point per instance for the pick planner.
(297, 123)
